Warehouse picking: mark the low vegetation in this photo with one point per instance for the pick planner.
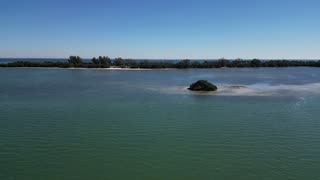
(202, 85)
(106, 62)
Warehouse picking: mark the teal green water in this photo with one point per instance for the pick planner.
(115, 124)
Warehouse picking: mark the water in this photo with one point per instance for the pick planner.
(109, 124)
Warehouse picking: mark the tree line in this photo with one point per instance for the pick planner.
(106, 62)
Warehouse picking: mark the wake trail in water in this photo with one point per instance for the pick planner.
(249, 90)
(273, 90)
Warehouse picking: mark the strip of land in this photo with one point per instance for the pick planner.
(106, 62)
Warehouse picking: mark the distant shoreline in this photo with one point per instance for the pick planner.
(83, 68)
(143, 69)
(75, 62)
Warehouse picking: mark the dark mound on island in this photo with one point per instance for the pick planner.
(202, 85)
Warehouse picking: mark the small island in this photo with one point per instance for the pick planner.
(202, 85)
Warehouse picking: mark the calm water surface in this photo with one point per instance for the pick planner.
(109, 124)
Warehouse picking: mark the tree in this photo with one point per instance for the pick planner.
(104, 60)
(255, 63)
(184, 64)
(222, 63)
(119, 62)
(95, 60)
(76, 60)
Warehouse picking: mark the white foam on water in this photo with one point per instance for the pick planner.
(273, 90)
(259, 89)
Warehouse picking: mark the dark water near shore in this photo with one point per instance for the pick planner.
(130, 124)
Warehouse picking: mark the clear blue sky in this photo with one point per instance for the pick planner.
(160, 28)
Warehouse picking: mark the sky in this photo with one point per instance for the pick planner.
(160, 29)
